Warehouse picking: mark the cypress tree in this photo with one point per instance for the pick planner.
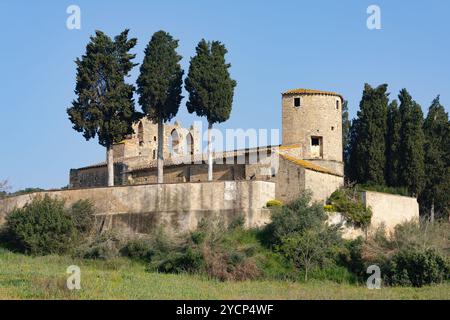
(412, 167)
(393, 144)
(210, 87)
(346, 124)
(369, 156)
(350, 166)
(435, 198)
(159, 86)
(104, 106)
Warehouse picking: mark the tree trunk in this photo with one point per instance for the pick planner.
(160, 161)
(110, 164)
(210, 160)
(432, 212)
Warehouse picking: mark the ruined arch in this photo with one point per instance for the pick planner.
(174, 142)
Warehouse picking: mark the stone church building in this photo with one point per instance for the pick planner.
(309, 157)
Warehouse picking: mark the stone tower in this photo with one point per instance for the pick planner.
(313, 120)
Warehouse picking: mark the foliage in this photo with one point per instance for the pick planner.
(329, 208)
(294, 217)
(105, 246)
(436, 194)
(347, 201)
(160, 79)
(411, 174)
(368, 149)
(82, 213)
(274, 203)
(393, 144)
(209, 84)
(307, 250)
(41, 227)
(44, 226)
(417, 268)
(346, 124)
(104, 105)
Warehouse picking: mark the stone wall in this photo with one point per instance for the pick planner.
(390, 209)
(387, 209)
(180, 206)
(322, 185)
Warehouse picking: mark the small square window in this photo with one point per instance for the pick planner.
(297, 102)
(315, 141)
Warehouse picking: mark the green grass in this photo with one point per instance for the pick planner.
(25, 277)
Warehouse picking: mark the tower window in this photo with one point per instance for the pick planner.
(315, 141)
(337, 104)
(297, 102)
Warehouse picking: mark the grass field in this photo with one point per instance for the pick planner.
(24, 277)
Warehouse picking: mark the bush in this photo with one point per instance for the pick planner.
(105, 246)
(295, 217)
(82, 213)
(417, 268)
(41, 227)
(138, 249)
(274, 203)
(347, 202)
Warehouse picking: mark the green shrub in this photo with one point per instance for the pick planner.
(82, 213)
(190, 260)
(105, 246)
(347, 202)
(351, 257)
(274, 203)
(41, 227)
(295, 217)
(417, 268)
(138, 249)
(236, 223)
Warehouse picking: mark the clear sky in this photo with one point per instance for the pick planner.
(273, 46)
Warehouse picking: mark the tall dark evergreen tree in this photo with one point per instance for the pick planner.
(159, 86)
(104, 106)
(393, 144)
(435, 197)
(367, 158)
(210, 87)
(346, 124)
(412, 168)
(350, 164)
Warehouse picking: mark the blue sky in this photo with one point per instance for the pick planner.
(273, 46)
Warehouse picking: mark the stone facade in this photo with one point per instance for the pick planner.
(313, 119)
(320, 169)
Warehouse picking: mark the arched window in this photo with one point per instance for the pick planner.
(174, 142)
(141, 134)
(189, 148)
